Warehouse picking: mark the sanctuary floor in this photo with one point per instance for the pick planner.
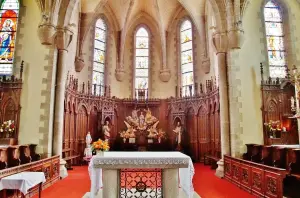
(206, 184)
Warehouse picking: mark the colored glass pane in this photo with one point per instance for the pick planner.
(99, 67)
(186, 36)
(141, 59)
(275, 40)
(141, 83)
(141, 42)
(8, 25)
(186, 57)
(99, 56)
(141, 62)
(141, 72)
(142, 52)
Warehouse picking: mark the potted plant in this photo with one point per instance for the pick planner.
(100, 146)
(273, 128)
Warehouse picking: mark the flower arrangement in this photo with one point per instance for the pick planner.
(8, 127)
(273, 127)
(100, 145)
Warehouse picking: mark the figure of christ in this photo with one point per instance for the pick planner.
(88, 140)
(178, 132)
(106, 131)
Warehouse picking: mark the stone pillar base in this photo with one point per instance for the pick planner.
(62, 169)
(220, 170)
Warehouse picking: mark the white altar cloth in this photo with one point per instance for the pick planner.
(22, 181)
(113, 160)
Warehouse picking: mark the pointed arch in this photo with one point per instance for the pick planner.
(99, 56)
(8, 23)
(275, 39)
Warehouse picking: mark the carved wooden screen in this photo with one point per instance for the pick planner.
(82, 129)
(66, 135)
(10, 110)
(212, 129)
(72, 128)
(191, 133)
(217, 131)
(93, 123)
(203, 133)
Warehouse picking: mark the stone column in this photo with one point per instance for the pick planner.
(220, 42)
(170, 183)
(62, 40)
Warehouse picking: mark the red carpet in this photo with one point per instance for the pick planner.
(206, 184)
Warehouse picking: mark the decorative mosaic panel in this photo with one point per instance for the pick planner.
(141, 183)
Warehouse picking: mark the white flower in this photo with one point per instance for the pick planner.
(1, 130)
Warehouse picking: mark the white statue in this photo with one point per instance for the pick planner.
(293, 108)
(106, 130)
(153, 130)
(178, 132)
(88, 141)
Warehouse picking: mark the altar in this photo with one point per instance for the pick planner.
(155, 174)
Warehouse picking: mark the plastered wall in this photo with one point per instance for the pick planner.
(244, 71)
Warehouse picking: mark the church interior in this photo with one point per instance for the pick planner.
(150, 98)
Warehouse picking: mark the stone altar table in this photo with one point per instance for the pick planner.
(172, 164)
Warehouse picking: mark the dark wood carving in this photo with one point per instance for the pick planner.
(10, 96)
(199, 116)
(276, 105)
(257, 179)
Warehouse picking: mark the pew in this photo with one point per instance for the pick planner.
(279, 157)
(3, 158)
(266, 155)
(248, 154)
(13, 156)
(34, 156)
(25, 154)
(256, 153)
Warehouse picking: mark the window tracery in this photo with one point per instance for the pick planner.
(99, 56)
(186, 57)
(275, 39)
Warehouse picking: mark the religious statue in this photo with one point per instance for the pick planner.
(106, 130)
(149, 118)
(142, 121)
(133, 118)
(293, 107)
(88, 140)
(178, 132)
(130, 130)
(153, 130)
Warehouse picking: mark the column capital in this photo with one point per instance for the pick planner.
(63, 38)
(220, 41)
(46, 32)
(235, 38)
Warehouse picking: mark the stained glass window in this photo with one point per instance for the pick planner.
(99, 57)
(141, 59)
(186, 49)
(8, 25)
(275, 40)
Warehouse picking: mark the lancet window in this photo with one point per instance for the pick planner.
(186, 57)
(142, 60)
(99, 56)
(275, 39)
(8, 24)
